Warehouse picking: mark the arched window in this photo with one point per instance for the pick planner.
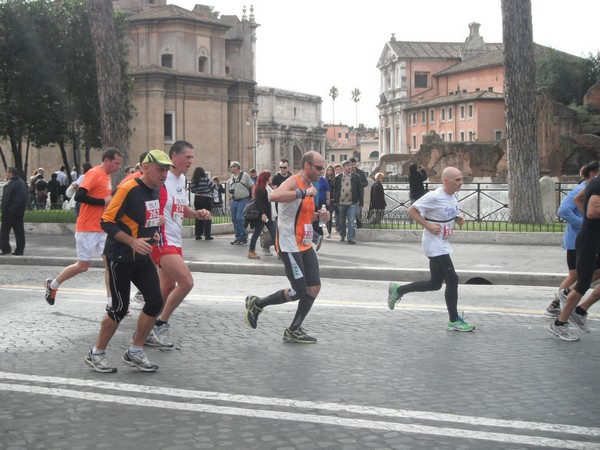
(374, 155)
(202, 64)
(166, 60)
(203, 61)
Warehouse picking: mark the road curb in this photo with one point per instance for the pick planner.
(353, 273)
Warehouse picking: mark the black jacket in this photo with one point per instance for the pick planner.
(14, 197)
(377, 197)
(415, 183)
(356, 185)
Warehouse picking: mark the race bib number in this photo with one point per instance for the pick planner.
(307, 237)
(152, 213)
(177, 210)
(447, 231)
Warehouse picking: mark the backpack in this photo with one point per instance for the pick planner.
(251, 211)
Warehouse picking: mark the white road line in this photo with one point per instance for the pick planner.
(310, 418)
(323, 301)
(290, 403)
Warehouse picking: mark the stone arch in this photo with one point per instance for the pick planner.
(296, 158)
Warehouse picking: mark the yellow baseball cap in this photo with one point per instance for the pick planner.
(157, 157)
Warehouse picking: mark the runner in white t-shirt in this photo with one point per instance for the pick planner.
(175, 277)
(437, 212)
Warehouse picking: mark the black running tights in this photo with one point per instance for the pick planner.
(442, 271)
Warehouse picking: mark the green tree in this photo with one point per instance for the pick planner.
(47, 77)
(593, 68)
(565, 76)
(19, 76)
(524, 192)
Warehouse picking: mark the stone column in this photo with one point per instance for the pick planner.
(548, 191)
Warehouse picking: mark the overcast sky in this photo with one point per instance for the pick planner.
(312, 45)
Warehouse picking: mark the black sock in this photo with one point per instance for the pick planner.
(274, 299)
(579, 310)
(558, 323)
(159, 322)
(304, 306)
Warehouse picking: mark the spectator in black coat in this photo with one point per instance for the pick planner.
(377, 203)
(54, 187)
(416, 178)
(14, 201)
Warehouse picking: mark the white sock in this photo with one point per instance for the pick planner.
(95, 351)
(54, 284)
(109, 301)
(134, 349)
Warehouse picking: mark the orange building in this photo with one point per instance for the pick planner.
(452, 89)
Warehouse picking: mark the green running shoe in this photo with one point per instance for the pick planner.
(460, 325)
(393, 296)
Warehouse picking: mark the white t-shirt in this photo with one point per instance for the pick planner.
(174, 197)
(441, 208)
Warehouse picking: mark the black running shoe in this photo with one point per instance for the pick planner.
(252, 311)
(298, 336)
(50, 293)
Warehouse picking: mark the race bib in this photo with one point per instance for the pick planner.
(447, 231)
(152, 213)
(177, 210)
(307, 236)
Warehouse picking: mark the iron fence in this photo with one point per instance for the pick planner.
(483, 205)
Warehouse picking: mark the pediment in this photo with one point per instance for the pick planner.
(388, 55)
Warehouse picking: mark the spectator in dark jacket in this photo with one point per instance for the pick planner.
(14, 201)
(41, 191)
(54, 191)
(202, 187)
(363, 180)
(416, 178)
(349, 196)
(377, 204)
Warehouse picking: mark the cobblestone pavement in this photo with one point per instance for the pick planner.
(377, 379)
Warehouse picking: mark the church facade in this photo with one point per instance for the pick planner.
(193, 79)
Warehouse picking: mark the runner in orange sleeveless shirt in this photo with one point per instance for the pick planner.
(294, 244)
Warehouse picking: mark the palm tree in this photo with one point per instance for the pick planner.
(356, 99)
(333, 93)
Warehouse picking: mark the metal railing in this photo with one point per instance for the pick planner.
(484, 206)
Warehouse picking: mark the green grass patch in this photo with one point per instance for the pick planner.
(49, 216)
(556, 227)
(65, 216)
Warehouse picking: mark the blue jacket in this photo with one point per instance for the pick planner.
(570, 214)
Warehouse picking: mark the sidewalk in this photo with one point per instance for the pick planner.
(522, 264)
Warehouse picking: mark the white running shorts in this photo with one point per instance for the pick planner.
(89, 244)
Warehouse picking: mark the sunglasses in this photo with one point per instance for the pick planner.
(319, 168)
(283, 167)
